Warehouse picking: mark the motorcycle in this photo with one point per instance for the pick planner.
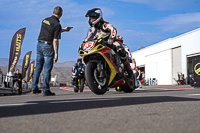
(191, 79)
(79, 80)
(103, 67)
(10, 84)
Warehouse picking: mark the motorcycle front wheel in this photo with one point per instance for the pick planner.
(81, 84)
(97, 86)
(76, 87)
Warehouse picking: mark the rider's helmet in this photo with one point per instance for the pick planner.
(119, 38)
(94, 13)
(79, 61)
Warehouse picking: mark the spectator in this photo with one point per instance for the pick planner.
(8, 77)
(133, 66)
(47, 50)
(143, 75)
(139, 76)
(18, 78)
(181, 79)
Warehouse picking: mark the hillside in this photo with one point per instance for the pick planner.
(63, 70)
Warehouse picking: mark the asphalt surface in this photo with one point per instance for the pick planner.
(154, 109)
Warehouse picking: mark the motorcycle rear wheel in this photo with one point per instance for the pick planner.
(129, 86)
(91, 81)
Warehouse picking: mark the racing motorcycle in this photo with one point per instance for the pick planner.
(79, 80)
(103, 67)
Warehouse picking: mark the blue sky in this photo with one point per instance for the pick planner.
(140, 22)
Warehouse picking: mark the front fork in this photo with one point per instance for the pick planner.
(100, 69)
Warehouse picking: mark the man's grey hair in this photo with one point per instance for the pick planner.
(58, 10)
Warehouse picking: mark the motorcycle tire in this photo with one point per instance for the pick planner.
(19, 91)
(128, 87)
(92, 83)
(76, 89)
(82, 85)
(16, 89)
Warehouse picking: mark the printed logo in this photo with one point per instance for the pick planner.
(197, 68)
(88, 46)
(46, 22)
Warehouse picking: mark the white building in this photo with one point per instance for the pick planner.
(164, 59)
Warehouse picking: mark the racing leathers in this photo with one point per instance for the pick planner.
(128, 52)
(109, 33)
(76, 69)
(104, 30)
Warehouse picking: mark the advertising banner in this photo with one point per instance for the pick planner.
(31, 71)
(25, 64)
(15, 49)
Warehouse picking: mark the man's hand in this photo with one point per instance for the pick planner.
(55, 58)
(67, 29)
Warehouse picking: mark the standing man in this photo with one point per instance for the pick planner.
(47, 50)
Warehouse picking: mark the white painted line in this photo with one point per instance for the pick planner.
(164, 89)
(71, 89)
(16, 104)
(86, 100)
(193, 94)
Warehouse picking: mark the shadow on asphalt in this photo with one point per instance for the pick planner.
(9, 93)
(45, 107)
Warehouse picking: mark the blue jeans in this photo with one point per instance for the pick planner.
(136, 80)
(45, 56)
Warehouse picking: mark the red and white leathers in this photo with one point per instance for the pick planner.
(106, 30)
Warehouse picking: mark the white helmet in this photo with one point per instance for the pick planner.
(97, 13)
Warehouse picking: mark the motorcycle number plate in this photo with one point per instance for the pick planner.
(88, 46)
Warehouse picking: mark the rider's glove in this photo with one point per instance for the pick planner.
(110, 41)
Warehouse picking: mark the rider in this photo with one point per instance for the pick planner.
(101, 27)
(76, 67)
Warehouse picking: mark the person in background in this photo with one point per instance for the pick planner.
(133, 66)
(75, 68)
(47, 50)
(18, 78)
(8, 77)
(139, 76)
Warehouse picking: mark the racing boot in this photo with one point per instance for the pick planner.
(119, 64)
(128, 68)
(124, 58)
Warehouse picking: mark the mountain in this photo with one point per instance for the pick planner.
(4, 62)
(63, 70)
(65, 64)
